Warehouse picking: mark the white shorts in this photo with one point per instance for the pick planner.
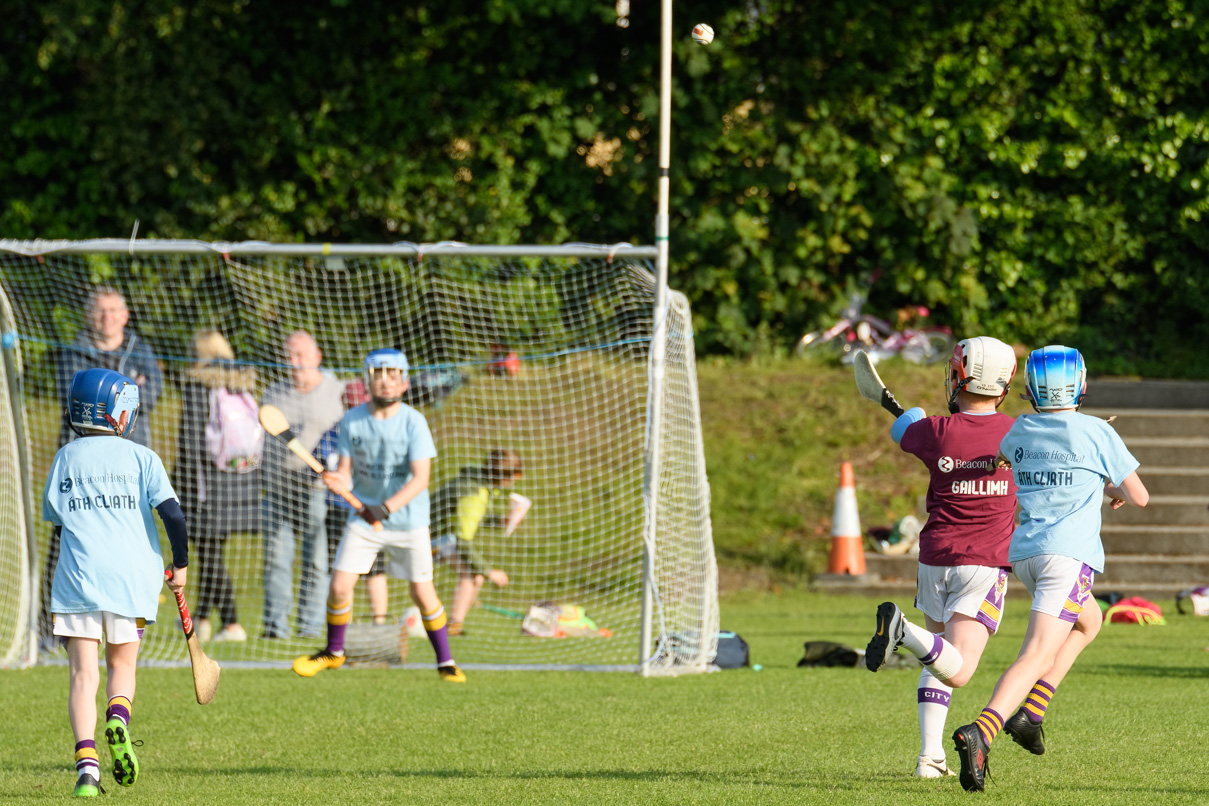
(1061, 586)
(117, 629)
(408, 553)
(976, 591)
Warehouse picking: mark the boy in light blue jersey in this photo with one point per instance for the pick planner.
(1063, 463)
(100, 491)
(386, 453)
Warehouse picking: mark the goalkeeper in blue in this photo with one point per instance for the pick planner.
(100, 491)
(1064, 464)
(386, 453)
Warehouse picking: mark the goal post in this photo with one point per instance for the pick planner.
(547, 350)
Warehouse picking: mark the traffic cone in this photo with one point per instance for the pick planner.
(847, 546)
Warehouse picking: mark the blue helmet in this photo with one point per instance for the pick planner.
(1056, 378)
(386, 358)
(97, 399)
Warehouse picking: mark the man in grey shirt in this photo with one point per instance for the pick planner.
(294, 502)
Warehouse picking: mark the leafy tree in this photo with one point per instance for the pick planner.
(1035, 172)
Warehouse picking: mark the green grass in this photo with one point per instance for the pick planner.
(1127, 727)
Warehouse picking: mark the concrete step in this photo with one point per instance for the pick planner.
(903, 591)
(891, 568)
(1163, 510)
(1187, 451)
(1155, 422)
(1127, 394)
(1172, 540)
(1184, 570)
(1118, 539)
(1186, 481)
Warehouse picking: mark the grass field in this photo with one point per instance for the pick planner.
(1128, 727)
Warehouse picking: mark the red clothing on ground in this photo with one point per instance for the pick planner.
(971, 506)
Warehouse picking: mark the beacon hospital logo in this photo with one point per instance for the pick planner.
(978, 486)
(948, 464)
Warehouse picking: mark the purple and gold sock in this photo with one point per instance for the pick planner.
(120, 707)
(438, 634)
(339, 614)
(989, 724)
(1037, 701)
(86, 759)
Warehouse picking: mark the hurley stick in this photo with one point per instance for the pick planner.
(205, 669)
(275, 424)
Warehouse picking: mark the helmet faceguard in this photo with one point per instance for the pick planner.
(980, 366)
(1056, 378)
(97, 400)
(385, 360)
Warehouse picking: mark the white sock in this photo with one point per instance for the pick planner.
(932, 651)
(933, 710)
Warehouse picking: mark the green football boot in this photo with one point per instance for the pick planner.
(88, 787)
(121, 746)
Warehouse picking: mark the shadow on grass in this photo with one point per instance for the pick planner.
(1138, 670)
(806, 780)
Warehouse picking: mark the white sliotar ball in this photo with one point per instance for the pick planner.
(703, 33)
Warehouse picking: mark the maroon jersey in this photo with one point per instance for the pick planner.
(971, 506)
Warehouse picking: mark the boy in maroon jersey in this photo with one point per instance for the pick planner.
(963, 549)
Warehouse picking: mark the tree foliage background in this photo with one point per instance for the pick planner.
(1035, 171)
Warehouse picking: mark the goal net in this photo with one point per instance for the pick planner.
(545, 351)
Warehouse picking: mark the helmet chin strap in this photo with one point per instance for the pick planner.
(383, 402)
(953, 407)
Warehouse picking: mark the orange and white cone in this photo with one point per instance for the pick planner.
(847, 546)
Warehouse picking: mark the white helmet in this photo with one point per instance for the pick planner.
(981, 366)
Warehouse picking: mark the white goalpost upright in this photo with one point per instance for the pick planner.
(575, 356)
(699, 642)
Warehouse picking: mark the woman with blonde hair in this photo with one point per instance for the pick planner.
(217, 471)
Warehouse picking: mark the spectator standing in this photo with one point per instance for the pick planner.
(294, 504)
(107, 343)
(219, 446)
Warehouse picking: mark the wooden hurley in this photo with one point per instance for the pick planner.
(205, 669)
(275, 424)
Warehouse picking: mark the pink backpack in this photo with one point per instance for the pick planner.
(234, 436)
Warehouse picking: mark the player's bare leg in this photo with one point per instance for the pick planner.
(1042, 642)
(1025, 725)
(969, 636)
(465, 592)
(84, 679)
(432, 613)
(378, 595)
(120, 662)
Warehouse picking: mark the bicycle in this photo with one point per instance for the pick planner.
(877, 337)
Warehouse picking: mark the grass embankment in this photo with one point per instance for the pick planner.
(775, 434)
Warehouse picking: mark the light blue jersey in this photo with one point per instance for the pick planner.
(101, 490)
(382, 452)
(1060, 463)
